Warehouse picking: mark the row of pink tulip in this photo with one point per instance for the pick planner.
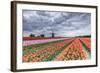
(32, 42)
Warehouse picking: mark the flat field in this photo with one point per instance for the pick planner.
(56, 49)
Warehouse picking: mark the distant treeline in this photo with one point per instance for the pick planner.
(41, 35)
(32, 35)
(84, 36)
(53, 35)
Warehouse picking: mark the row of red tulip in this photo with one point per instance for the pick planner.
(73, 52)
(87, 42)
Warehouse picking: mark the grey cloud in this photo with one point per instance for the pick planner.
(46, 22)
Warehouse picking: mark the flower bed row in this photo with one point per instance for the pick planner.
(40, 41)
(87, 42)
(74, 51)
(46, 53)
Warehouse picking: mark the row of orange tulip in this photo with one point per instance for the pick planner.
(73, 52)
(46, 52)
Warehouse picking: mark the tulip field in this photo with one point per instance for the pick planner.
(58, 49)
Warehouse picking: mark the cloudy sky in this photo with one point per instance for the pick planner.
(63, 24)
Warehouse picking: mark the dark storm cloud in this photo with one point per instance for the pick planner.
(45, 22)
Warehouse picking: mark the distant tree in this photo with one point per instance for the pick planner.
(42, 35)
(32, 35)
(38, 36)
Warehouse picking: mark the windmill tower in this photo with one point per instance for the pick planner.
(53, 34)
